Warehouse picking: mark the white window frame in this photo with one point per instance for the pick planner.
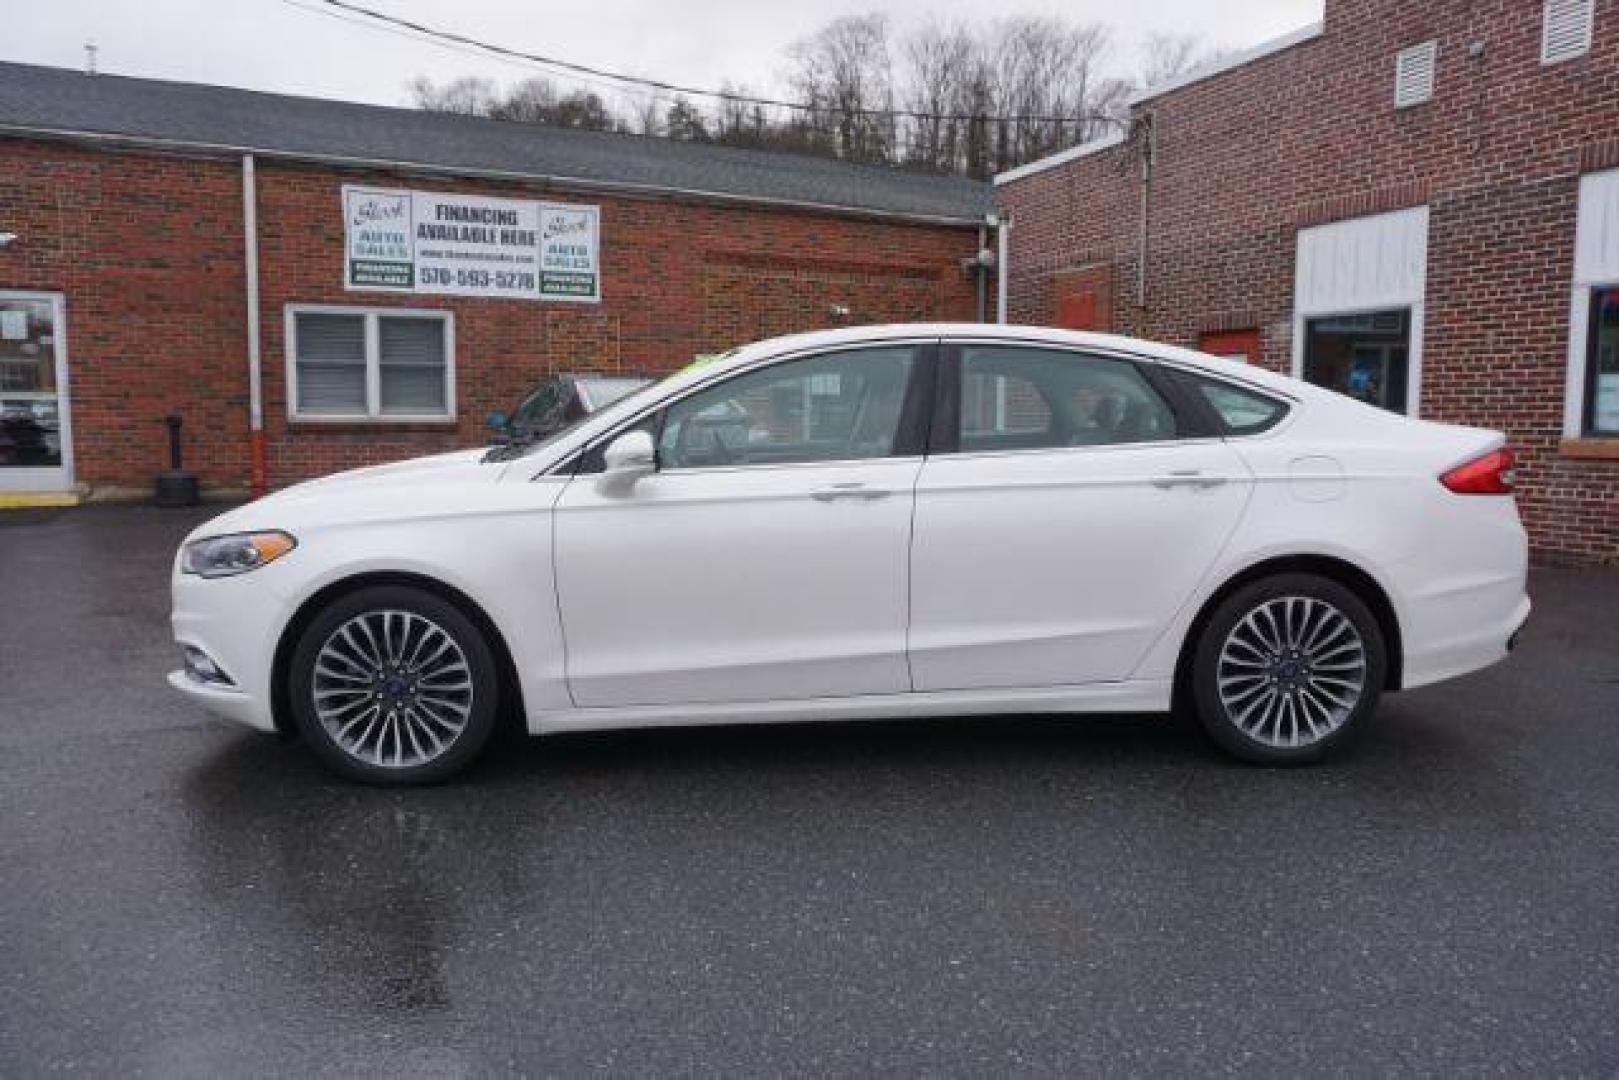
(373, 364)
(1367, 296)
(1596, 266)
(47, 477)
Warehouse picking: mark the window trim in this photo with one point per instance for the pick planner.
(1588, 394)
(1416, 315)
(373, 364)
(945, 439)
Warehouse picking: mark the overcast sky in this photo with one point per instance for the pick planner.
(275, 45)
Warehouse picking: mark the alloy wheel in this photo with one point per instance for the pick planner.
(392, 688)
(1292, 671)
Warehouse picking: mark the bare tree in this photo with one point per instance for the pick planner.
(647, 118)
(1048, 83)
(844, 73)
(1165, 56)
(938, 66)
(467, 96)
(977, 98)
(531, 101)
(684, 122)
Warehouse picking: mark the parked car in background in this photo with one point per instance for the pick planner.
(873, 522)
(561, 400)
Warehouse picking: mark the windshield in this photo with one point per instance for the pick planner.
(524, 442)
(600, 391)
(547, 399)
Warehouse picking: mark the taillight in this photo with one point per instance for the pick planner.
(1487, 474)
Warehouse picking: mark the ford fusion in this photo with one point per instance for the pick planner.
(883, 522)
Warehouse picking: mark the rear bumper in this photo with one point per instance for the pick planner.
(1463, 645)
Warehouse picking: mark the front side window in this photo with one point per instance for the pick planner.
(1020, 398)
(834, 407)
(1602, 364)
(349, 364)
(1364, 355)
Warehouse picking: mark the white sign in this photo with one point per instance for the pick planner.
(470, 245)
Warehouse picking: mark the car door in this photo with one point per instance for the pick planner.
(1067, 511)
(766, 557)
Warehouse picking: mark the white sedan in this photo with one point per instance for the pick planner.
(877, 522)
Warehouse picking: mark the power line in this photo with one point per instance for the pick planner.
(313, 7)
(382, 20)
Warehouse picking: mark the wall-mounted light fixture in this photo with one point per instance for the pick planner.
(7, 239)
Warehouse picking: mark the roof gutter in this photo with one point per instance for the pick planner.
(572, 183)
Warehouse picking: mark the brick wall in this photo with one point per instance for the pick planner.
(148, 251)
(1307, 135)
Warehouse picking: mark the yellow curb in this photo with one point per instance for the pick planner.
(29, 500)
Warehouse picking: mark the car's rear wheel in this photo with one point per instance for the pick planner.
(1288, 669)
(394, 685)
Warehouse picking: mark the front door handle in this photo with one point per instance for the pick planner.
(1192, 478)
(851, 490)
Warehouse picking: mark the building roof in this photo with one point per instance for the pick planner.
(41, 101)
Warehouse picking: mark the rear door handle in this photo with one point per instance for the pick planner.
(854, 489)
(1192, 478)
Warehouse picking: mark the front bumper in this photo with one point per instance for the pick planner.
(236, 622)
(224, 702)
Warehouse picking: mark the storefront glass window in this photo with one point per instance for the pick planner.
(30, 425)
(1602, 364)
(1364, 355)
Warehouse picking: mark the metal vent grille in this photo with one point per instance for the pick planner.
(1566, 33)
(1413, 74)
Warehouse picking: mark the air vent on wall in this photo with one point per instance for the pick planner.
(1566, 32)
(1413, 74)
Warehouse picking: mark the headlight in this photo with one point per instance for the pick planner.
(222, 556)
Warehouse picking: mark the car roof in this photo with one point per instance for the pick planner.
(758, 351)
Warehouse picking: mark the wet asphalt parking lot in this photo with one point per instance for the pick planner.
(986, 897)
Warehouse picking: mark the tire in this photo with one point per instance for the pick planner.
(1288, 670)
(408, 688)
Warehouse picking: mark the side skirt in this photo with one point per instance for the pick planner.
(1124, 697)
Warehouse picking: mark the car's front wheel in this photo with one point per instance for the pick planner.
(393, 685)
(1288, 669)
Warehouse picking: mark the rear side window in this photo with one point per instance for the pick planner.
(1241, 411)
(1024, 398)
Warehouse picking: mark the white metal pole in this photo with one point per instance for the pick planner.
(1003, 233)
(255, 372)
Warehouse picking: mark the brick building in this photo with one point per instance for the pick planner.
(1414, 203)
(125, 291)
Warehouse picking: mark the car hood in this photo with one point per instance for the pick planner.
(457, 464)
(400, 489)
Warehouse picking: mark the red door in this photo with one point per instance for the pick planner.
(1232, 344)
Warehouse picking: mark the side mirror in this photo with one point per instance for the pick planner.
(500, 424)
(628, 458)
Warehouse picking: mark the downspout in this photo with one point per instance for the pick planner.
(257, 481)
(1148, 147)
(1003, 236)
(980, 271)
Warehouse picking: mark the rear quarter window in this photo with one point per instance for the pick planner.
(1239, 410)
